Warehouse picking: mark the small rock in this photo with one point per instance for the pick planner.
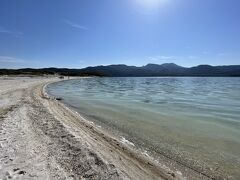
(22, 172)
(150, 164)
(15, 169)
(172, 174)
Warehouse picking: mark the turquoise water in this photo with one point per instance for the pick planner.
(192, 121)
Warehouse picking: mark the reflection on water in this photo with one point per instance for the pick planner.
(195, 121)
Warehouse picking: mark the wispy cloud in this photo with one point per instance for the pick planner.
(75, 25)
(13, 60)
(161, 58)
(192, 57)
(81, 61)
(222, 54)
(10, 32)
(8, 59)
(205, 52)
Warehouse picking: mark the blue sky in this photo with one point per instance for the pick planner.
(80, 33)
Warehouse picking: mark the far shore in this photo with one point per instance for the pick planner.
(41, 138)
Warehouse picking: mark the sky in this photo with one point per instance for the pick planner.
(81, 33)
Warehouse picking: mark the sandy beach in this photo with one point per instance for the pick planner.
(40, 138)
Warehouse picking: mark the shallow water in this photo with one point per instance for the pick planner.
(194, 121)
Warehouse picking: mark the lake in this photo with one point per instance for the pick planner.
(192, 121)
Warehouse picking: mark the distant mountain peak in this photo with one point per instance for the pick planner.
(170, 65)
(163, 65)
(151, 64)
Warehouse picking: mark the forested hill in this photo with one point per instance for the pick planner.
(121, 70)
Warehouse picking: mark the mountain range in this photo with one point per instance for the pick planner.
(121, 70)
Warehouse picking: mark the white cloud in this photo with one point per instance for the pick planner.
(7, 59)
(205, 52)
(13, 60)
(75, 25)
(222, 54)
(10, 32)
(81, 61)
(193, 57)
(161, 58)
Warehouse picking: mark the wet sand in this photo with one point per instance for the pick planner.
(40, 138)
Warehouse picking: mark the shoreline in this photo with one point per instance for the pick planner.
(116, 142)
(172, 167)
(52, 141)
